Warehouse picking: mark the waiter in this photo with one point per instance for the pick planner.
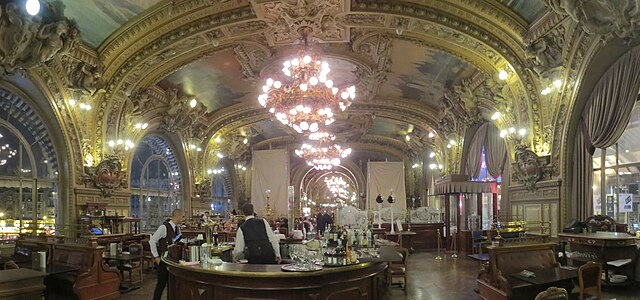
(255, 240)
(167, 234)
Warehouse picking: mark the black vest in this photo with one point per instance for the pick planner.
(257, 249)
(164, 243)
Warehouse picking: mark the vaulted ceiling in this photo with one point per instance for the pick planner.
(402, 63)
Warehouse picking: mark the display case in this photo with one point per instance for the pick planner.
(461, 198)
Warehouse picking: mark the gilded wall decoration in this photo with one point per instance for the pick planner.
(177, 115)
(529, 168)
(85, 78)
(605, 18)
(251, 57)
(27, 42)
(108, 176)
(286, 17)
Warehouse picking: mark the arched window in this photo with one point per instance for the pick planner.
(220, 189)
(28, 171)
(618, 184)
(155, 182)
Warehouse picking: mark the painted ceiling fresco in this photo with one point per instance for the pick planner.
(389, 128)
(529, 10)
(422, 74)
(215, 81)
(97, 19)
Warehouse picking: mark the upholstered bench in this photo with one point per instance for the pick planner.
(494, 281)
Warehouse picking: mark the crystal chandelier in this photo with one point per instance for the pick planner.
(305, 98)
(321, 153)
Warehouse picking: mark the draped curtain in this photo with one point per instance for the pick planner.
(607, 115)
(495, 151)
(474, 159)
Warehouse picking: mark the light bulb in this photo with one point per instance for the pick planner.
(265, 88)
(432, 154)
(72, 102)
(313, 80)
(217, 140)
(344, 95)
(328, 83)
(277, 84)
(295, 62)
(512, 130)
(503, 133)
(33, 7)
(303, 87)
(334, 90)
(269, 82)
(496, 116)
(304, 125)
(557, 83)
(306, 59)
(193, 103)
(431, 135)
(503, 75)
(522, 131)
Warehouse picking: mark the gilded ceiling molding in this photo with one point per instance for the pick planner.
(445, 14)
(48, 80)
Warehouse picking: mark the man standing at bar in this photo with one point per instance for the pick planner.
(255, 240)
(167, 234)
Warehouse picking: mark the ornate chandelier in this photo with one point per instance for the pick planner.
(305, 98)
(322, 153)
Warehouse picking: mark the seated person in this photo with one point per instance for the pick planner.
(255, 240)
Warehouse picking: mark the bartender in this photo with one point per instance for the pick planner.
(255, 240)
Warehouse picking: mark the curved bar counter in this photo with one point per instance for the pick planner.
(244, 281)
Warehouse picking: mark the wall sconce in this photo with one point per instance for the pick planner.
(119, 145)
(513, 134)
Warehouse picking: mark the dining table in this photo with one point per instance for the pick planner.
(541, 279)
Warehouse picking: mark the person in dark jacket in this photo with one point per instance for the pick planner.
(255, 241)
(167, 234)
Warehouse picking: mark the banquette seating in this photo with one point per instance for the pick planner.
(494, 281)
(93, 280)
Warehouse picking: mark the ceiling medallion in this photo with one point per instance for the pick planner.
(322, 153)
(305, 98)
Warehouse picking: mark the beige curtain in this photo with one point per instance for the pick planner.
(270, 171)
(495, 151)
(474, 157)
(382, 178)
(607, 115)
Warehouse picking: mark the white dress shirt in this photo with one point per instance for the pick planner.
(159, 234)
(239, 248)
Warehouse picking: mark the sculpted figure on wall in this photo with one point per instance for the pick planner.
(544, 55)
(27, 42)
(85, 78)
(178, 114)
(460, 108)
(602, 17)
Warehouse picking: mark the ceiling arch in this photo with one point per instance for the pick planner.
(505, 41)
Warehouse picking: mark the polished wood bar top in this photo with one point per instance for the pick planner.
(252, 270)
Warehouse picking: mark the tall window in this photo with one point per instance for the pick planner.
(155, 183)
(220, 192)
(615, 190)
(28, 171)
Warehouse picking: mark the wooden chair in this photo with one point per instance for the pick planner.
(147, 255)
(553, 293)
(11, 265)
(476, 240)
(400, 269)
(133, 266)
(590, 280)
